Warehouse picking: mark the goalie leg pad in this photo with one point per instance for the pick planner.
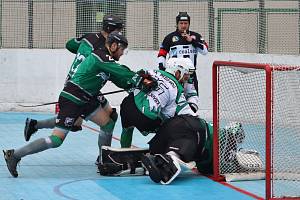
(107, 169)
(150, 164)
(117, 160)
(161, 167)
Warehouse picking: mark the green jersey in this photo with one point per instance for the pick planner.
(83, 47)
(166, 101)
(92, 74)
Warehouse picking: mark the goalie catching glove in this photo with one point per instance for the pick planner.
(249, 160)
(144, 81)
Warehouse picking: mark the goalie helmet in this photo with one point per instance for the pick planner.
(183, 65)
(118, 38)
(111, 23)
(182, 16)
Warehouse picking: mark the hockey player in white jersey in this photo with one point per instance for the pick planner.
(172, 96)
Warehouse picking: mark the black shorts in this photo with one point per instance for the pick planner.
(184, 134)
(93, 105)
(131, 116)
(68, 113)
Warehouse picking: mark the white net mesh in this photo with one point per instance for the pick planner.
(286, 134)
(242, 99)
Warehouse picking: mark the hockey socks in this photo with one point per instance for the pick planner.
(38, 145)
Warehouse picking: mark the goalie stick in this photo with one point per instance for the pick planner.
(50, 103)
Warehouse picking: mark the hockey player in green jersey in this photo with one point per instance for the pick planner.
(80, 93)
(82, 47)
(110, 23)
(173, 96)
(85, 44)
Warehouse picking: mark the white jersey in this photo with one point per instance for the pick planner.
(186, 51)
(166, 101)
(190, 93)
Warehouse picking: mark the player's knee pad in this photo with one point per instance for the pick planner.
(55, 141)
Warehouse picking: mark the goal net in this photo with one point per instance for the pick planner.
(263, 101)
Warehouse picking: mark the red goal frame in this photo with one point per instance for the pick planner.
(268, 119)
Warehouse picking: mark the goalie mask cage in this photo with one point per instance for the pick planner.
(264, 98)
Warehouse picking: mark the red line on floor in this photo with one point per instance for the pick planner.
(93, 129)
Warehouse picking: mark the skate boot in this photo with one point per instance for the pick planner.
(29, 128)
(11, 162)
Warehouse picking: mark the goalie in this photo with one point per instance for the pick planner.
(182, 142)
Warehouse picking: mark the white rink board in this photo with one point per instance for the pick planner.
(34, 76)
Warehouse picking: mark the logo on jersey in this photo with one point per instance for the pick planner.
(173, 52)
(110, 58)
(175, 38)
(187, 51)
(69, 122)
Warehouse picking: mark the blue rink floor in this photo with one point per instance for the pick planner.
(69, 172)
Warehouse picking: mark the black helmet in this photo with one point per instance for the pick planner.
(117, 37)
(111, 23)
(182, 16)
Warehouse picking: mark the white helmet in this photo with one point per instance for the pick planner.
(183, 65)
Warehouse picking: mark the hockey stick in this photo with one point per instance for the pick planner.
(50, 103)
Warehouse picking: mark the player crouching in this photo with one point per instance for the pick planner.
(182, 143)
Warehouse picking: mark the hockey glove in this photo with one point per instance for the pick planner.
(144, 81)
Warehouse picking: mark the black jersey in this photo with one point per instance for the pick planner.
(93, 40)
(177, 46)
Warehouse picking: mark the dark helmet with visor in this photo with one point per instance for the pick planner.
(111, 23)
(182, 16)
(118, 38)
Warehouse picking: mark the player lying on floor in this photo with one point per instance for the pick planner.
(181, 142)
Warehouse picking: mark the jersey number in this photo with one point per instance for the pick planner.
(78, 59)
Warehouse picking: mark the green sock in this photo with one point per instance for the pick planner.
(126, 137)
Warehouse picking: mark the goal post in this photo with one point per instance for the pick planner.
(263, 99)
